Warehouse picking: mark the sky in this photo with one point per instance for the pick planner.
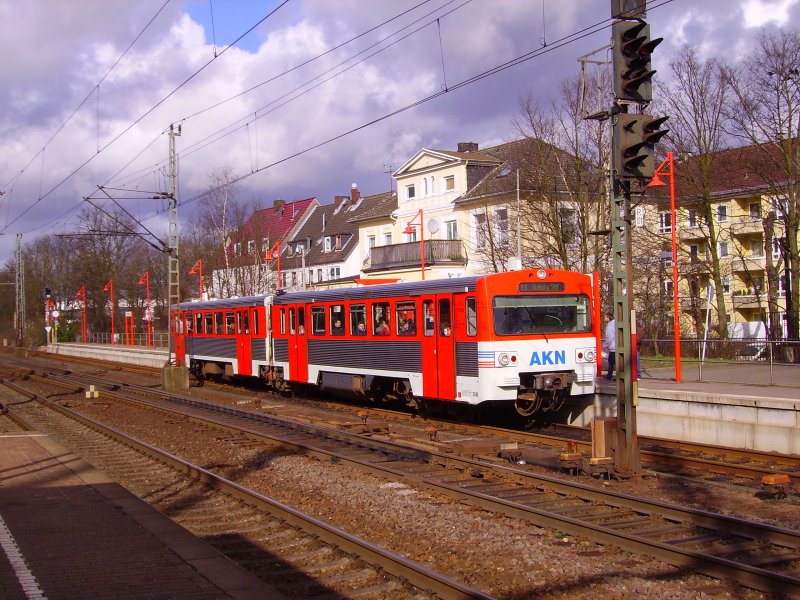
(298, 98)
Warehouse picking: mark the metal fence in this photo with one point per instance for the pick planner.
(756, 361)
(160, 340)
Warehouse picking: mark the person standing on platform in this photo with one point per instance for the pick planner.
(610, 343)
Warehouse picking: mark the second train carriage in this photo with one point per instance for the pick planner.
(527, 339)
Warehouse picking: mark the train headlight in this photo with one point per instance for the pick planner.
(590, 355)
(505, 359)
(585, 355)
(541, 273)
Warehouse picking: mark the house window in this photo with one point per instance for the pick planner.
(319, 275)
(451, 229)
(480, 231)
(264, 245)
(501, 218)
(756, 248)
(723, 249)
(410, 192)
(755, 210)
(387, 239)
(668, 287)
(237, 249)
(780, 206)
(776, 248)
(412, 236)
(338, 245)
(433, 187)
(294, 278)
(251, 246)
(722, 213)
(450, 183)
(334, 272)
(694, 251)
(371, 241)
(726, 284)
(664, 222)
(782, 284)
(692, 218)
(425, 184)
(328, 243)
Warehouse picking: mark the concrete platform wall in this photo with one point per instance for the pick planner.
(766, 424)
(132, 355)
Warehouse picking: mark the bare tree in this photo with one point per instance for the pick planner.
(766, 114)
(695, 105)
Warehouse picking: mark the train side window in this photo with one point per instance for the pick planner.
(301, 320)
(229, 323)
(246, 321)
(218, 323)
(318, 320)
(198, 323)
(472, 316)
(406, 318)
(291, 321)
(282, 316)
(256, 324)
(209, 324)
(358, 319)
(239, 326)
(445, 319)
(381, 311)
(337, 319)
(428, 318)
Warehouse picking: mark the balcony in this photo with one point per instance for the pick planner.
(406, 256)
(691, 304)
(695, 266)
(748, 264)
(747, 227)
(691, 233)
(749, 301)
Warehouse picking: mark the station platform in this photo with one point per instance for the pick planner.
(735, 407)
(67, 531)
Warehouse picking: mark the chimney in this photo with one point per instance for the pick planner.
(278, 206)
(354, 193)
(467, 147)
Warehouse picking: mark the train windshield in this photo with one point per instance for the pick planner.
(521, 315)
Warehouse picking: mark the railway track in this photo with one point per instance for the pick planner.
(295, 553)
(754, 554)
(659, 454)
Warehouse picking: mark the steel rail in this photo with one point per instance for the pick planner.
(391, 563)
(707, 563)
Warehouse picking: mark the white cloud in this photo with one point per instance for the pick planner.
(758, 13)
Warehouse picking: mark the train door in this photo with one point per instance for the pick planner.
(178, 339)
(438, 348)
(243, 353)
(298, 346)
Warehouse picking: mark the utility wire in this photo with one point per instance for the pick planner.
(137, 121)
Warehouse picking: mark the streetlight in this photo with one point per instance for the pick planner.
(197, 269)
(410, 230)
(145, 280)
(109, 287)
(275, 252)
(81, 293)
(657, 182)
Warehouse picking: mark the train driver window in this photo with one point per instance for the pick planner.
(337, 319)
(256, 328)
(209, 323)
(198, 323)
(472, 317)
(406, 318)
(318, 320)
(291, 321)
(428, 318)
(358, 319)
(229, 323)
(445, 320)
(218, 328)
(380, 318)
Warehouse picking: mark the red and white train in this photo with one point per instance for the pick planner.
(527, 339)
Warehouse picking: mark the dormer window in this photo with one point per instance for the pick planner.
(328, 243)
(251, 246)
(237, 249)
(338, 245)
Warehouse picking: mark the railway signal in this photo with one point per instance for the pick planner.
(634, 140)
(632, 49)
